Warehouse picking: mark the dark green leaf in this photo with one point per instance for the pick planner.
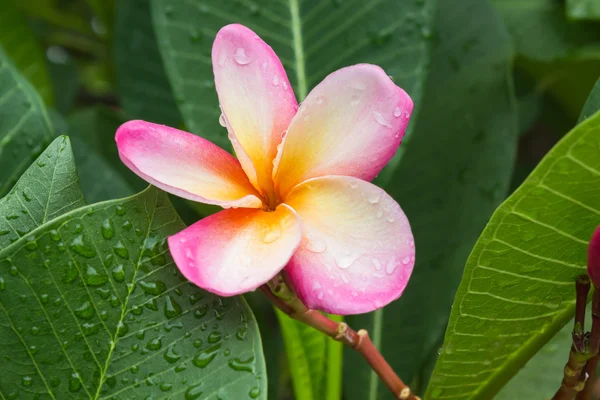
(583, 9)
(312, 40)
(143, 85)
(518, 287)
(21, 45)
(455, 170)
(47, 189)
(592, 104)
(92, 306)
(541, 31)
(24, 125)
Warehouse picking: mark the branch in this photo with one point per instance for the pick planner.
(572, 382)
(280, 293)
(592, 363)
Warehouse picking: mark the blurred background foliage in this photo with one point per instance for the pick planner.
(496, 84)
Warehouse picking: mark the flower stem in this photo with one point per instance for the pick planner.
(579, 355)
(592, 363)
(284, 298)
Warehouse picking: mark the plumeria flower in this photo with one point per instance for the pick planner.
(298, 195)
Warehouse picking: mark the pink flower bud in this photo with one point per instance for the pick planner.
(594, 258)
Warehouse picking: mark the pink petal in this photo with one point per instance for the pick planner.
(185, 165)
(256, 98)
(237, 250)
(357, 250)
(350, 124)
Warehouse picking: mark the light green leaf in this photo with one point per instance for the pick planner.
(315, 360)
(92, 306)
(455, 171)
(47, 189)
(311, 38)
(541, 31)
(592, 104)
(25, 129)
(21, 45)
(540, 376)
(306, 349)
(518, 286)
(583, 9)
(142, 82)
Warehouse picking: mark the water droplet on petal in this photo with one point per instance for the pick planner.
(406, 260)
(222, 121)
(374, 197)
(381, 120)
(345, 261)
(284, 85)
(275, 80)
(315, 244)
(397, 112)
(320, 100)
(391, 267)
(240, 57)
(271, 234)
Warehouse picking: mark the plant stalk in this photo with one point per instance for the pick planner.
(283, 297)
(589, 374)
(580, 353)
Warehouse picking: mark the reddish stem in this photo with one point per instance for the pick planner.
(286, 300)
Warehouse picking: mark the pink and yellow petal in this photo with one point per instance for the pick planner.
(185, 165)
(350, 124)
(357, 251)
(237, 250)
(256, 98)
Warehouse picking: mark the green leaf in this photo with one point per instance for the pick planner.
(455, 170)
(315, 360)
(47, 189)
(518, 286)
(583, 9)
(92, 306)
(539, 377)
(93, 130)
(25, 129)
(541, 31)
(312, 39)
(21, 45)
(306, 349)
(592, 104)
(142, 82)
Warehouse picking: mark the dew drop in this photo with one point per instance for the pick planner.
(193, 392)
(345, 261)
(222, 120)
(206, 356)
(108, 230)
(315, 244)
(381, 120)
(94, 278)
(240, 57)
(374, 197)
(118, 273)
(254, 392)
(154, 288)
(391, 267)
(171, 356)
(238, 364)
(275, 80)
(74, 383)
(214, 337)
(172, 308)
(377, 264)
(271, 234)
(397, 112)
(80, 246)
(320, 100)
(154, 344)
(284, 85)
(406, 260)
(121, 250)
(27, 381)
